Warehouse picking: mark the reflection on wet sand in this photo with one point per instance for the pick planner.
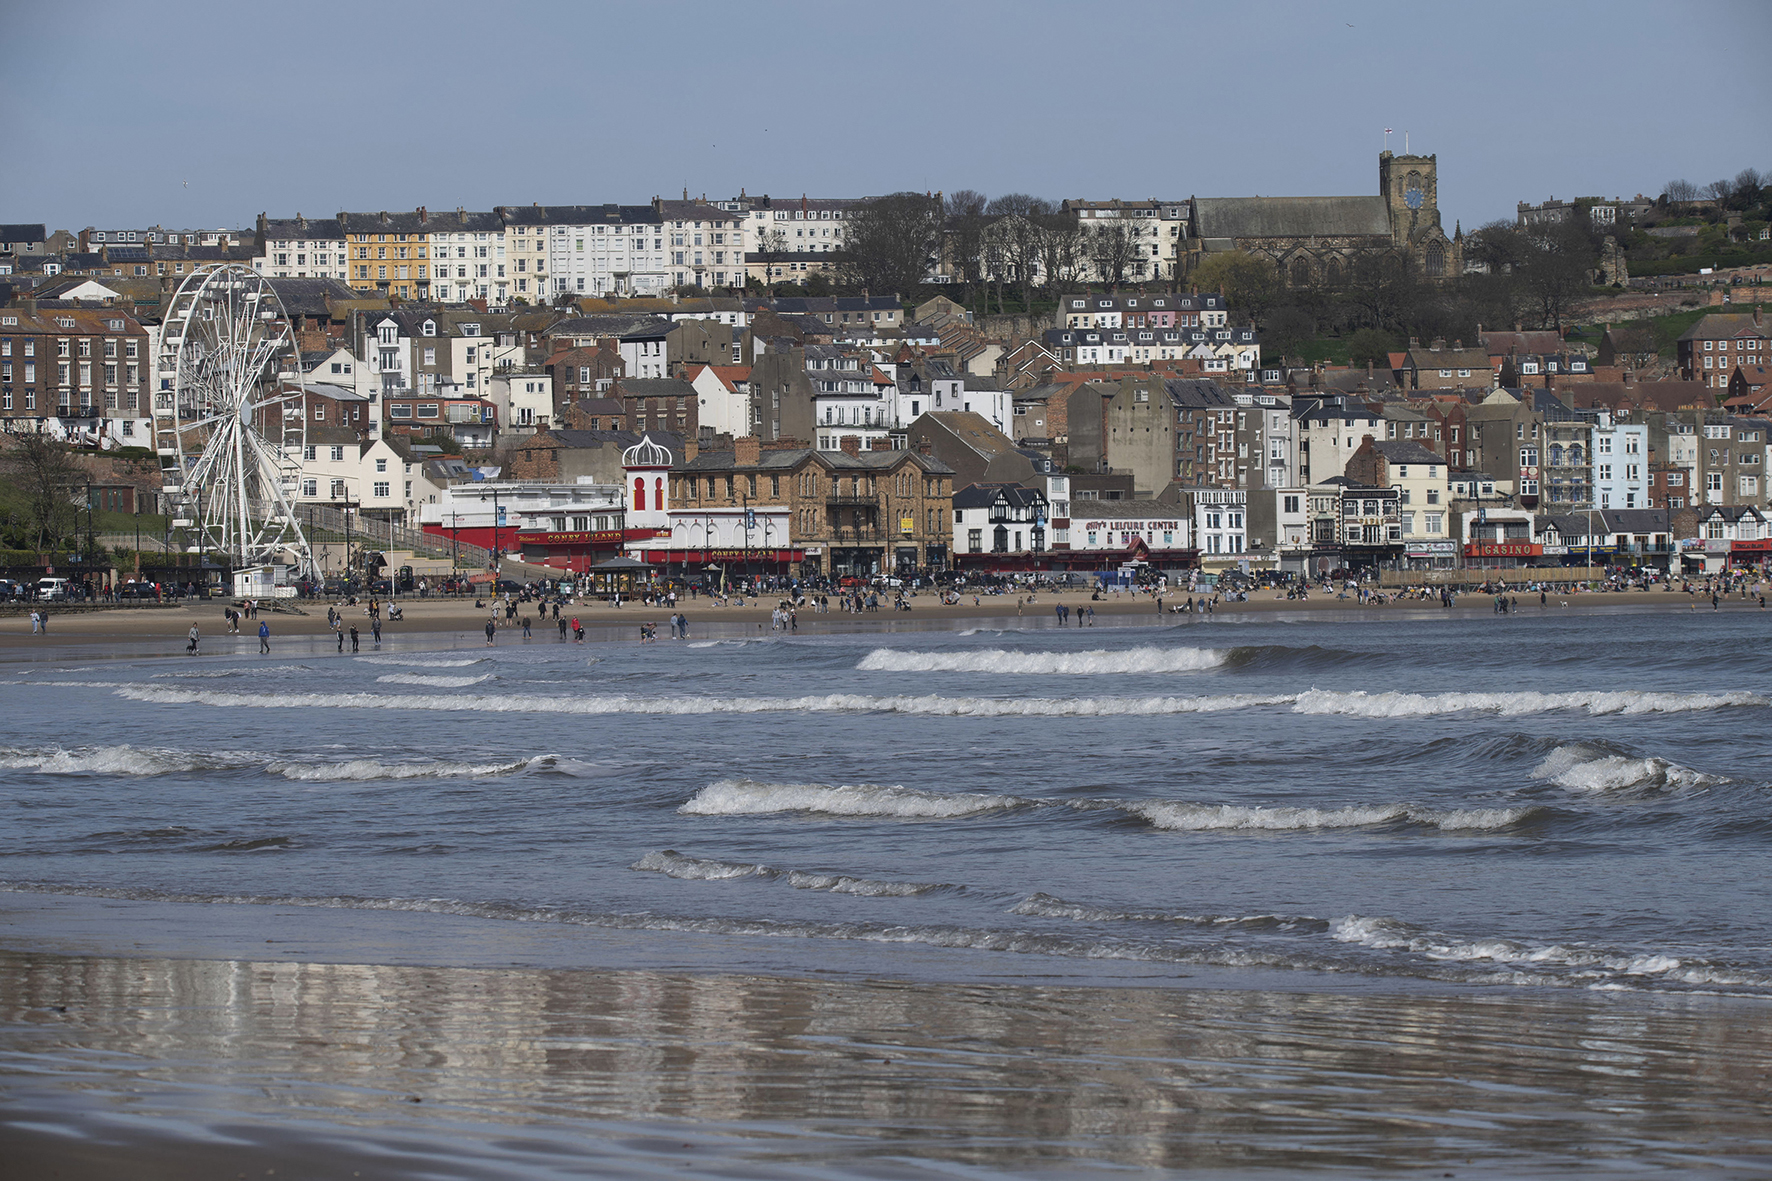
(514, 1065)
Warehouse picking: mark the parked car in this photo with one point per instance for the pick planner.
(9, 589)
(52, 588)
(137, 590)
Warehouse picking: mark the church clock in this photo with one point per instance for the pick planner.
(1412, 198)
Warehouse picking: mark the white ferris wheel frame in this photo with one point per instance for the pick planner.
(228, 369)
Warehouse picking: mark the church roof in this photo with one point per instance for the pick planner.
(1292, 217)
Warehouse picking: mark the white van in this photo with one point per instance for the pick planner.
(52, 588)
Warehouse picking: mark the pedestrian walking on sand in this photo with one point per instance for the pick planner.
(375, 630)
(36, 623)
(578, 632)
(353, 637)
(264, 637)
(526, 623)
(490, 628)
(191, 647)
(562, 623)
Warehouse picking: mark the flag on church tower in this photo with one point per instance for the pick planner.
(1387, 131)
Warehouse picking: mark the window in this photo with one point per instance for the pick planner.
(310, 486)
(401, 411)
(381, 465)
(338, 454)
(381, 488)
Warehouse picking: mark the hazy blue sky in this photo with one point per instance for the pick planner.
(203, 114)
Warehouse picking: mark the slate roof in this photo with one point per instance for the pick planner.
(1128, 509)
(1196, 392)
(576, 215)
(299, 229)
(610, 325)
(655, 387)
(24, 232)
(429, 222)
(1291, 217)
(1405, 451)
(1725, 324)
(307, 297)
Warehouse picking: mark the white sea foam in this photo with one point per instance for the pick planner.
(1414, 705)
(837, 883)
(823, 703)
(353, 769)
(1185, 817)
(432, 682)
(423, 661)
(674, 864)
(748, 797)
(119, 760)
(1579, 963)
(1046, 906)
(1355, 704)
(1584, 768)
(998, 660)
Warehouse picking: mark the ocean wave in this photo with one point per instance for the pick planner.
(1129, 661)
(1361, 704)
(249, 845)
(432, 682)
(1472, 963)
(1184, 817)
(424, 661)
(1579, 963)
(1585, 768)
(369, 768)
(1040, 905)
(929, 705)
(700, 869)
(837, 883)
(122, 759)
(749, 797)
(1314, 701)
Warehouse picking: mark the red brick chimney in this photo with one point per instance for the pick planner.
(691, 449)
(851, 444)
(747, 451)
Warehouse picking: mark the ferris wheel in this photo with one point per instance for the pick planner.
(229, 419)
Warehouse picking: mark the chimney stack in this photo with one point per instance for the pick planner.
(691, 449)
(851, 444)
(747, 451)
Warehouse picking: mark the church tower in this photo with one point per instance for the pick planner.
(1411, 189)
(1411, 195)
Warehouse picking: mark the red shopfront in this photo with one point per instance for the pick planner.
(1501, 555)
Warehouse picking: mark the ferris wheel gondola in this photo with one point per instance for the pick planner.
(229, 420)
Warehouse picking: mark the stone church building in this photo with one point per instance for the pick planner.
(1315, 239)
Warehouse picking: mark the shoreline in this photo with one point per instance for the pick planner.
(435, 623)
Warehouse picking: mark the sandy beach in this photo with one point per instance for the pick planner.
(445, 622)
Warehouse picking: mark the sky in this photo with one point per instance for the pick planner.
(196, 114)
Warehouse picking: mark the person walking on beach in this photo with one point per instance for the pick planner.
(490, 628)
(36, 623)
(375, 629)
(561, 622)
(264, 637)
(191, 648)
(353, 637)
(578, 631)
(526, 623)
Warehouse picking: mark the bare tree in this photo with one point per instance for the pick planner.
(965, 233)
(1679, 192)
(41, 476)
(1718, 190)
(893, 241)
(1020, 216)
(1061, 249)
(1111, 249)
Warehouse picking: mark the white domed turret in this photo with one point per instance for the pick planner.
(647, 465)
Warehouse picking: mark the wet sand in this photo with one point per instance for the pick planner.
(158, 1067)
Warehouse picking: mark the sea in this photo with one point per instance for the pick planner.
(1423, 892)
